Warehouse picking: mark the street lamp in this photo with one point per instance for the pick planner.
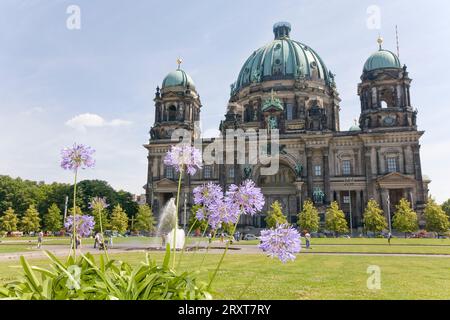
(348, 183)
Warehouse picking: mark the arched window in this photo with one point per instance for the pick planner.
(172, 113)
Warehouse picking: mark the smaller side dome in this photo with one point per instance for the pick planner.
(382, 59)
(178, 78)
(354, 127)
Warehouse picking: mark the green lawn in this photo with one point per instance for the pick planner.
(255, 276)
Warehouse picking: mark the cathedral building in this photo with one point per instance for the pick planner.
(286, 85)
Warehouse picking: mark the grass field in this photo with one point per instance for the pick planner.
(254, 276)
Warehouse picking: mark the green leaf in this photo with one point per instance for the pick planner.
(167, 257)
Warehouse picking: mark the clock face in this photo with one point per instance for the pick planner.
(389, 121)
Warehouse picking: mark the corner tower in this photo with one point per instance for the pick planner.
(177, 105)
(384, 93)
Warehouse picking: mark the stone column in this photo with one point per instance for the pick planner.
(299, 186)
(420, 197)
(358, 213)
(338, 197)
(368, 171)
(310, 172)
(326, 175)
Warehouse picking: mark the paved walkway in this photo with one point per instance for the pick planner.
(217, 248)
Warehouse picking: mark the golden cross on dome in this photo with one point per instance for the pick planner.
(380, 41)
(179, 62)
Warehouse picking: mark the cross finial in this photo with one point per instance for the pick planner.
(380, 41)
(179, 62)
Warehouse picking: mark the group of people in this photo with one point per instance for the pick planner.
(100, 242)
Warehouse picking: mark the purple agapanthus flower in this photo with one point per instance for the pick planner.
(79, 156)
(84, 225)
(184, 157)
(246, 196)
(98, 202)
(208, 194)
(220, 213)
(281, 242)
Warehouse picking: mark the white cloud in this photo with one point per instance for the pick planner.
(92, 120)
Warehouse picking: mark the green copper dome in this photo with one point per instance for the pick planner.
(354, 128)
(382, 59)
(283, 58)
(178, 78)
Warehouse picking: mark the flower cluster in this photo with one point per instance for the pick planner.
(281, 242)
(98, 203)
(84, 225)
(218, 210)
(184, 156)
(79, 156)
(247, 197)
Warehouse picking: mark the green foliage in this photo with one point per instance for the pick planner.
(335, 219)
(194, 224)
(308, 219)
(275, 216)
(20, 194)
(446, 207)
(405, 219)
(53, 219)
(119, 219)
(84, 279)
(30, 220)
(145, 221)
(100, 213)
(9, 221)
(435, 218)
(374, 219)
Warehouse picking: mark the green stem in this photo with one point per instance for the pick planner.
(223, 255)
(176, 219)
(74, 225)
(185, 243)
(213, 236)
(100, 212)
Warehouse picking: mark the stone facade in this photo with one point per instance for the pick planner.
(378, 159)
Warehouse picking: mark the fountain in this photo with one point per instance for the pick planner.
(166, 226)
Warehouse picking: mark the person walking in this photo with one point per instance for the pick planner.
(40, 236)
(96, 240)
(308, 240)
(389, 238)
(78, 242)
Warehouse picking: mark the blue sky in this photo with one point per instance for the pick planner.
(109, 69)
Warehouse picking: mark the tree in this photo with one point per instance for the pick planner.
(9, 221)
(308, 218)
(405, 219)
(435, 218)
(119, 219)
(275, 216)
(53, 219)
(145, 221)
(30, 220)
(100, 212)
(446, 207)
(374, 219)
(335, 219)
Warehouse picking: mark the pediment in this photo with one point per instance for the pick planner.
(166, 183)
(395, 179)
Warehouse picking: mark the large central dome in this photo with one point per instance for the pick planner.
(283, 58)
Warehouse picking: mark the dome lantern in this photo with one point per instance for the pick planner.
(281, 30)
